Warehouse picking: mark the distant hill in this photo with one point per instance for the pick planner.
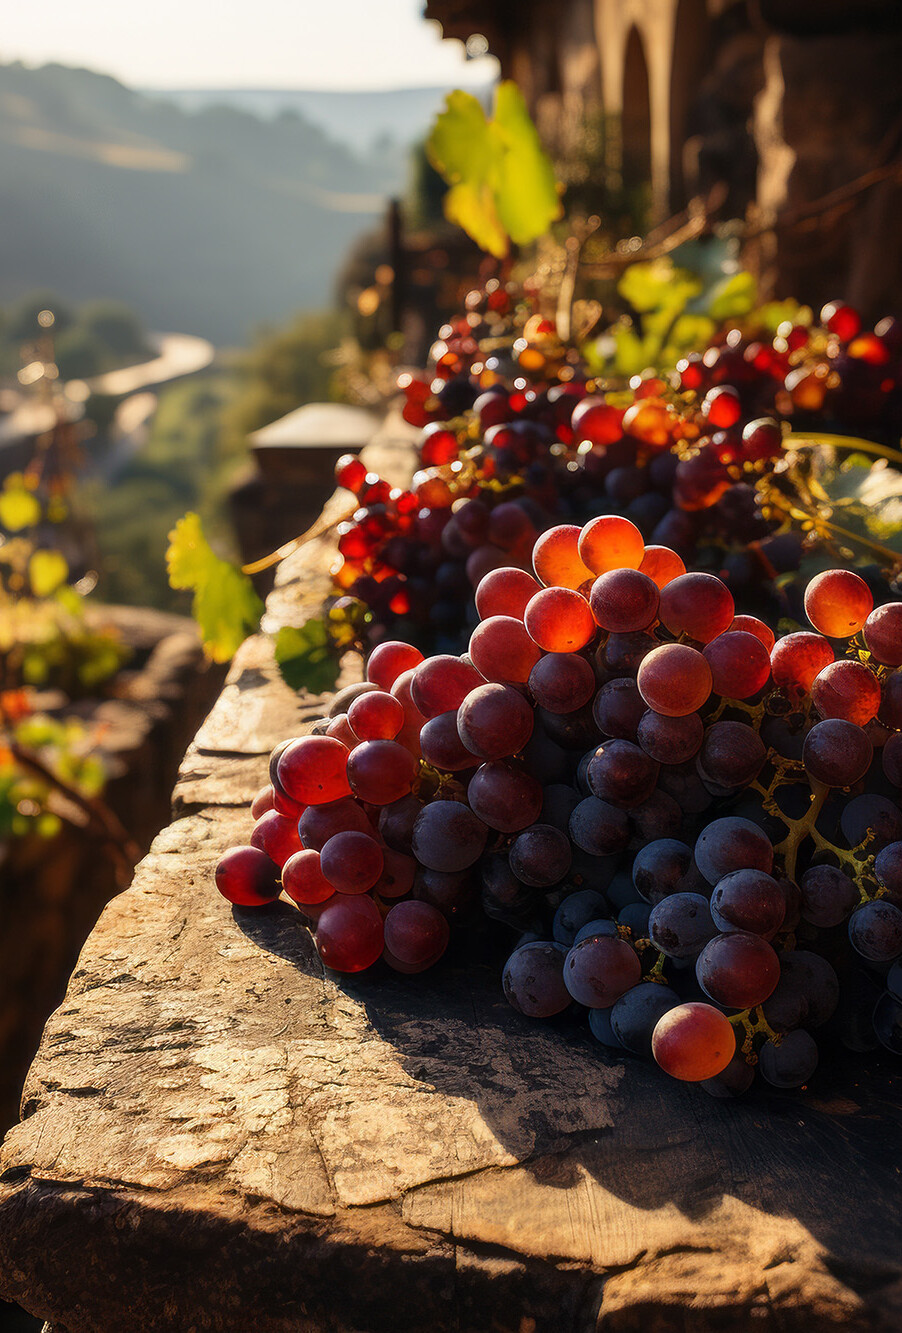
(207, 221)
(357, 119)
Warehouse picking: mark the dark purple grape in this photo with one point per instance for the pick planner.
(533, 980)
(504, 796)
(600, 1027)
(600, 926)
(634, 1015)
(396, 822)
(448, 836)
(598, 827)
(790, 1064)
(618, 708)
(731, 755)
(598, 970)
(828, 895)
(682, 783)
(540, 856)
(621, 773)
(670, 740)
(452, 892)
(748, 900)
(837, 753)
(663, 867)
(558, 804)
(732, 844)
(635, 917)
(504, 897)
(733, 1081)
(658, 817)
(888, 869)
(814, 978)
(576, 911)
(875, 931)
(681, 925)
(872, 814)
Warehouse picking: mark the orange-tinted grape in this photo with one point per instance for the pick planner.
(848, 690)
(752, 625)
(796, 660)
(595, 420)
(502, 650)
(505, 592)
(838, 603)
(624, 600)
(559, 620)
(674, 679)
(611, 542)
(556, 559)
(739, 662)
(883, 634)
(698, 605)
(693, 1042)
(650, 421)
(661, 565)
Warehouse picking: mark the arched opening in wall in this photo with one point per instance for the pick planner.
(636, 120)
(691, 51)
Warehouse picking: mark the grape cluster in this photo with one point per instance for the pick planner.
(693, 827)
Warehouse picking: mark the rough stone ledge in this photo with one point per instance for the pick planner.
(217, 1134)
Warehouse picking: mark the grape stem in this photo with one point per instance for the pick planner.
(753, 1027)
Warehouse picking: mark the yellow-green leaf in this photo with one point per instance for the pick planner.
(225, 606)
(18, 506)
(733, 297)
(527, 196)
(47, 571)
(657, 285)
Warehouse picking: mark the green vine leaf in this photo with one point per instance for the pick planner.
(19, 507)
(225, 606)
(307, 657)
(47, 571)
(501, 181)
(733, 297)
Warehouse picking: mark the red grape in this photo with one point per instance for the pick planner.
(502, 650)
(349, 935)
(838, 603)
(494, 721)
(504, 796)
(883, 634)
(611, 542)
(739, 662)
(381, 771)
(416, 936)
(505, 592)
(661, 565)
(797, 659)
(376, 716)
(559, 620)
(351, 862)
(277, 836)
(674, 679)
(738, 970)
(556, 559)
(624, 601)
(846, 689)
(247, 877)
(698, 605)
(752, 625)
(693, 1042)
(442, 683)
(303, 879)
(562, 682)
(314, 770)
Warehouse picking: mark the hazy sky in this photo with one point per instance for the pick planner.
(241, 43)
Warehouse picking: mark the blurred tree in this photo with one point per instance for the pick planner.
(115, 326)
(23, 323)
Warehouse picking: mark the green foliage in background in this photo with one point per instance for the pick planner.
(88, 339)
(225, 605)
(502, 183)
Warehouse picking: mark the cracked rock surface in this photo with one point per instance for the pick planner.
(217, 1135)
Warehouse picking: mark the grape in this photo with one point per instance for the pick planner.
(441, 684)
(751, 625)
(663, 867)
(888, 1023)
(837, 753)
(661, 565)
(787, 1005)
(559, 620)
(597, 421)
(600, 1027)
(875, 931)
(504, 897)
(888, 869)
(376, 716)
(389, 660)
(381, 772)
(396, 822)
(814, 977)
(599, 969)
(698, 605)
(340, 729)
(349, 934)
(733, 1080)
(892, 759)
(277, 836)
(540, 855)
(624, 601)
(883, 634)
(600, 926)
(502, 650)
(674, 679)
(599, 828)
(351, 862)
(562, 682)
(658, 816)
(721, 407)
(683, 785)
(693, 1042)
(732, 844)
(838, 603)
(441, 745)
(303, 879)
(611, 542)
(828, 896)
(635, 1014)
(738, 970)
(247, 877)
(681, 925)
(621, 773)
(452, 892)
(556, 559)
(533, 980)
(570, 731)
(848, 690)
(558, 804)
(505, 592)
(314, 770)
(576, 911)
(494, 721)
(416, 936)
(398, 874)
(350, 473)
(670, 740)
(797, 659)
(504, 796)
(618, 708)
(621, 654)
(748, 900)
(448, 836)
(790, 1064)
(871, 814)
(891, 703)
(318, 823)
(740, 664)
(731, 755)
(263, 801)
